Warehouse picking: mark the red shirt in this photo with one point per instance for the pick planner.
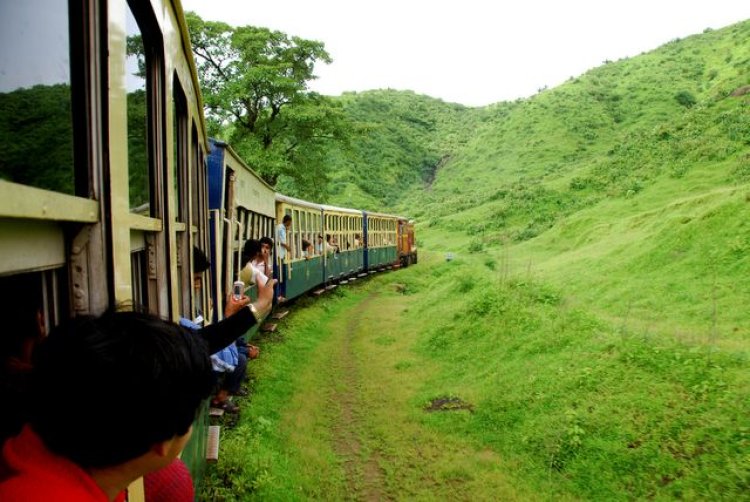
(31, 472)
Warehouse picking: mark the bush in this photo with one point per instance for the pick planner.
(475, 246)
(685, 98)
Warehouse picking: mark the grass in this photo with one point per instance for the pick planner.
(565, 404)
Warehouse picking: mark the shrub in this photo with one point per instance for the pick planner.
(475, 246)
(685, 98)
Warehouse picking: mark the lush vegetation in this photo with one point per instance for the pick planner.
(592, 331)
(255, 85)
(37, 137)
(407, 138)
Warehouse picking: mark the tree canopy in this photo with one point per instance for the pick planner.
(255, 87)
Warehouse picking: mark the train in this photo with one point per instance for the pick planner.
(108, 179)
(329, 245)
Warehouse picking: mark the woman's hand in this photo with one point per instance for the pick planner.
(234, 305)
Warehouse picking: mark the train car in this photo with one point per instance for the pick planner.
(381, 234)
(102, 173)
(303, 267)
(407, 244)
(342, 245)
(241, 206)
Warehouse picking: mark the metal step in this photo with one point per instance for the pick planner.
(212, 443)
(280, 314)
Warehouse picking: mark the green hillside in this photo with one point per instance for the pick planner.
(405, 138)
(636, 171)
(617, 187)
(593, 321)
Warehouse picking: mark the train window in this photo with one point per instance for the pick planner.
(139, 278)
(138, 68)
(180, 160)
(181, 155)
(310, 223)
(296, 233)
(36, 121)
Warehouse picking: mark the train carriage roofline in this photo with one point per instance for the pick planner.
(336, 209)
(292, 201)
(384, 215)
(187, 51)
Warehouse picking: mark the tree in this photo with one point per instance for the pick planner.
(255, 88)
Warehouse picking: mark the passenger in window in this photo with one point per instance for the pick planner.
(357, 241)
(331, 246)
(319, 245)
(266, 245)
(252, 254)
(148, 375)
(282, 246)
(229, 365)
(307, 249)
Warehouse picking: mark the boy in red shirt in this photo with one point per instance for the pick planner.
(114, 399)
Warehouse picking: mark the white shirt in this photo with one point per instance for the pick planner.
(251, 275)
(260, 265)
(281, 239)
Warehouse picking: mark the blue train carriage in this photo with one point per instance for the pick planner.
(342, 243)
(381, 240)
(241, 207)
(301, 269)
(102, 174)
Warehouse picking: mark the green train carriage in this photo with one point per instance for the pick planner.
(345, 227)
(381, 240)
(299, 272)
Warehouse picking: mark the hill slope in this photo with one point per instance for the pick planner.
(405, 138)
(627, 185)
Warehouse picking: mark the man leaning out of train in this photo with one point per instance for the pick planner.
(115, 399)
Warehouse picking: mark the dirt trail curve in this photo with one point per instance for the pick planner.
(364, 476)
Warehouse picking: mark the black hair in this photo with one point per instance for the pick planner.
(267, 240)
(107, 389)
(287, 217)
(250, 250)
(200, 261)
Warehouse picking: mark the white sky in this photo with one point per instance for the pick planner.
(473, 52)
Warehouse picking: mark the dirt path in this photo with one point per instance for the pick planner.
(364, 476)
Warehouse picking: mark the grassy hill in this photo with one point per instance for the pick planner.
(628, 185)
(405, 137)
(595, 316)
(599, 298)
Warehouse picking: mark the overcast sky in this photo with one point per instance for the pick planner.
(473, 52)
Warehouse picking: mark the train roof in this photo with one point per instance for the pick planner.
(384, 215)
(297, 202)
(326, 207)
(187, 50)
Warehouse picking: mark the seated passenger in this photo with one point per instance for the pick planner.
(319, 245)
(229, 366)
(114, 399)
(307, 249)
(264, 265)
(331, 246)
(252, 253)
